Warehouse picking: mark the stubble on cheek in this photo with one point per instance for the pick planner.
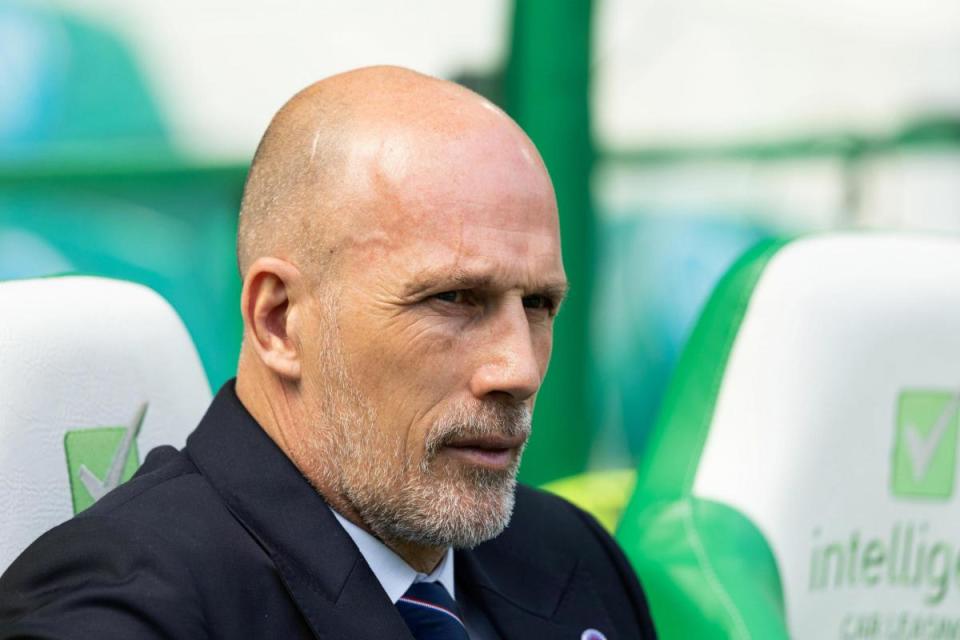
(417, 495)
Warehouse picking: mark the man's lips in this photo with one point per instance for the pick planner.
(495, 452)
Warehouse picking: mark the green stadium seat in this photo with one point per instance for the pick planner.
(801, 479)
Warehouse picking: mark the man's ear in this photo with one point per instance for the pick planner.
(269, 304)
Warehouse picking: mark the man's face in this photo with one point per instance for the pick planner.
(434, 339)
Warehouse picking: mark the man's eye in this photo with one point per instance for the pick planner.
(538, 302)
(453, 297)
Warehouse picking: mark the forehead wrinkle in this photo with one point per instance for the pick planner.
(433, 278)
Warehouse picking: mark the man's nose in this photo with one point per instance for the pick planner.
(507, 356)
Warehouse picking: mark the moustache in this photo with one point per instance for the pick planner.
(493, 420)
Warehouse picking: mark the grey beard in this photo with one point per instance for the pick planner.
(426, 503)
(445, 507)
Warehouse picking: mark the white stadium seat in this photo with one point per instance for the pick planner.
(802, 479)
(93, 374)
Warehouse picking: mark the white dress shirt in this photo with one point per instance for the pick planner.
(394, 574)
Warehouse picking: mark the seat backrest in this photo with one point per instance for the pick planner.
(820, 398)
(93, 374)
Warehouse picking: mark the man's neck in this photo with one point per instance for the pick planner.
(422, 558)
(255, 389)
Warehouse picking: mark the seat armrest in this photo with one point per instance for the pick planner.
(707, 570)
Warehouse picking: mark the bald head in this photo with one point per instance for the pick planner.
(344, 140)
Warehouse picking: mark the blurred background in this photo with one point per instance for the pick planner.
(677, 133)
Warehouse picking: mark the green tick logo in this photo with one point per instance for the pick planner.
(925, 451)
(99, 459)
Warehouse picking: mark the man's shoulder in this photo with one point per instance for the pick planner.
(167, 496)
(550, 539)
(161, 555)
(549, 519)
(548, 533)
(166, 511)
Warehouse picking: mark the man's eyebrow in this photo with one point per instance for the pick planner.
(434, 281)
(557, 290)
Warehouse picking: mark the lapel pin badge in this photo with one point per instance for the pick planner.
(592, 634)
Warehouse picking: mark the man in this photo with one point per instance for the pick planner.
(400, 254)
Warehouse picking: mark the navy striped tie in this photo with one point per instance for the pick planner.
(431, 613)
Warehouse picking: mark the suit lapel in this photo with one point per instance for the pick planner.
(321, 567)
(361, 609)
(522, 600)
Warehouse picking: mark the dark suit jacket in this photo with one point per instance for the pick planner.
(225, 539)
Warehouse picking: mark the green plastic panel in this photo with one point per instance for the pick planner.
(668, 468)
(708, 571)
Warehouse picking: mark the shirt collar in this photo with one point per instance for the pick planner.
(394, 574)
